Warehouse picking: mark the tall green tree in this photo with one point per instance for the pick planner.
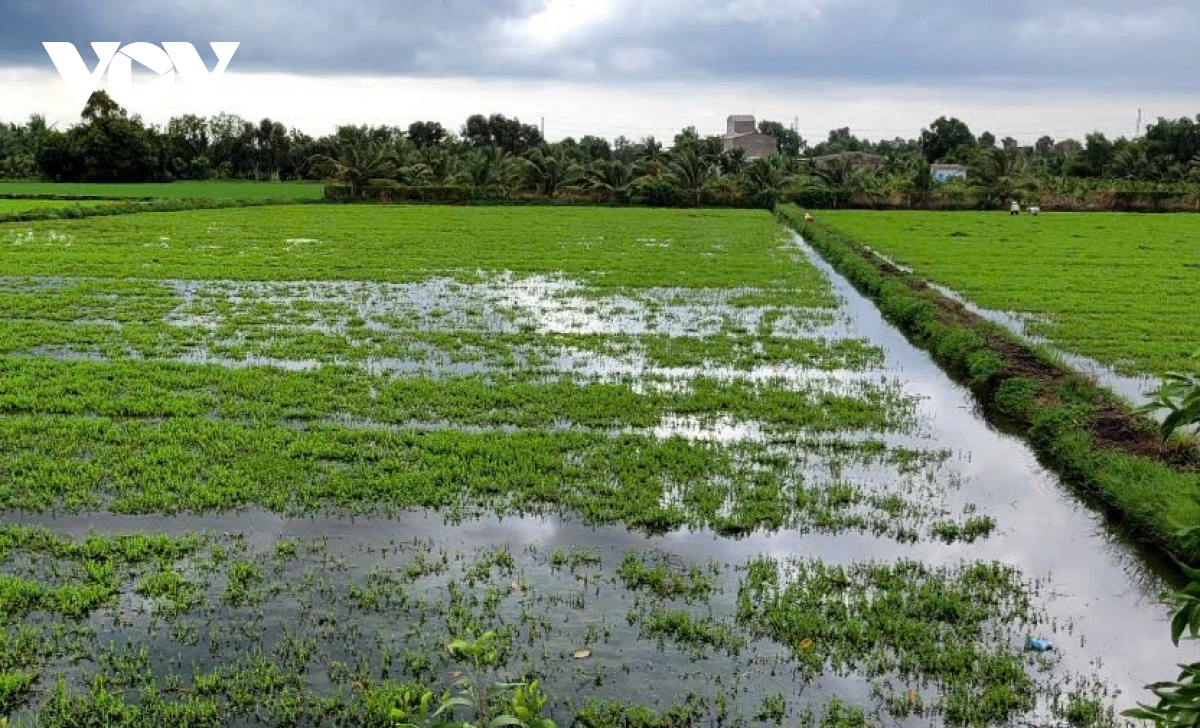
(425, 134)
(839, 141)
(498, 130)
(594, 148)
(947, 139)
(791, 144)
(107, 146)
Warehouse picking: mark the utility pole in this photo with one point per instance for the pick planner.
(543, 128)
(1139, 125)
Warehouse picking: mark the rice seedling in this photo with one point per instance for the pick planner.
(366, 433)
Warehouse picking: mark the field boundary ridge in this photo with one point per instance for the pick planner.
(76, 212)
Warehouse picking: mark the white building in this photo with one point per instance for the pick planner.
(947, 172)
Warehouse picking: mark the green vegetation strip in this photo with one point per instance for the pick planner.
(7, 207)
(266, 396)
(110, 209)
(164, 191)
(1081, 430)
(198, 465)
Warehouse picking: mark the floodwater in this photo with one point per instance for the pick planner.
(1098, 592)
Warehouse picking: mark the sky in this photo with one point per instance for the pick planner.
(884, 68)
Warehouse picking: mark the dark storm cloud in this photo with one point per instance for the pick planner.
(305, 36)
(1092, 45)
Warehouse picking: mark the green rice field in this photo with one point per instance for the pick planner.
(1119, 288)
(262, 466)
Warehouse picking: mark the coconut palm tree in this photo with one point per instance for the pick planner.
(692, 172)
(652, 158)
(864, 184)
(1129, 164)
(441, 162)
(415, 175)
(997, 175)
(548, 170)
(732, 161)
(765, 180)
(611, 175)
(845, 180)
(356, 162)
(486, 167)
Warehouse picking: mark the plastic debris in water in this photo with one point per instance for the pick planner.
(1039, 644)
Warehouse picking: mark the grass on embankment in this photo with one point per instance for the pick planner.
(168, 190)
(8, 207)
(1079, 429)
(67, 210)
(33, 201)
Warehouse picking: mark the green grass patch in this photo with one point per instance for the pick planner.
(945, 626)
(1117, 287)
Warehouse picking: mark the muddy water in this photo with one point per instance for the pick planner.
(1098, 592)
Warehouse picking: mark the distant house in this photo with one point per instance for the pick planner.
(743, 134)
(947, 172)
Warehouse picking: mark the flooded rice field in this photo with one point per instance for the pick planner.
(277, 502)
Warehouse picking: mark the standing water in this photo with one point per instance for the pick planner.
(336, 604)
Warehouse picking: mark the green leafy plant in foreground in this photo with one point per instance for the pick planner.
(1179, 396)
(494, 705)
(1178, 700)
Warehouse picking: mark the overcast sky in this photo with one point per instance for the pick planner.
(883, 67)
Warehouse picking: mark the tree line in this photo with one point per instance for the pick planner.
(498, 152)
